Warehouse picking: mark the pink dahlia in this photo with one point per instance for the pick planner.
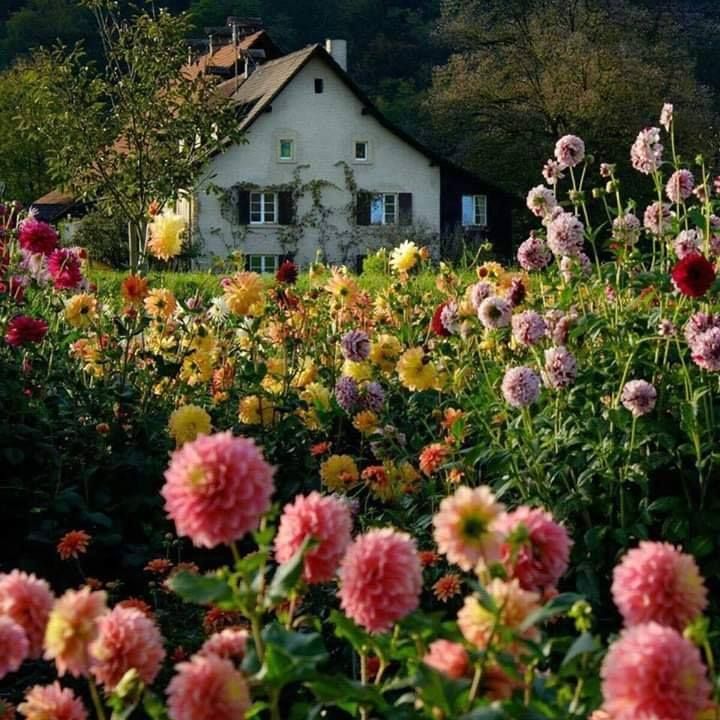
(565, 235)
(381, 579)
(464, 527)
(560, 368)
(626, 229)
(64, 268)
(680, 186)
(638, 396)
(687, 242)
(536, 548)
(327, 520)
(479, 292)
(666, 116)
(653, 672)
(656, 582)
(27, 600)
(520, 386)
(528, 328)
(656, 218)
(541, 201)
(217, 488)
(229, 643)
(646, 152)
(697, 324)
(706, 350)
(36, 236)
(448, 658)
(52, 702)
(207, 688)
(570, 150)
(14, 646)
(72, 627)
(533, 253)
(23, 329)
(127, 640)
(494, 312)
(553, 171)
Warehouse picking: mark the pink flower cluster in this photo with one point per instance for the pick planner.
(569, 151)
(680, 186)
(520, 386)
(541, 201)
(638, 396)
(533, 253)
(495, 312)
(560, 368)
(646, 152)
(565, 234)
(528, 328)
(657, 218)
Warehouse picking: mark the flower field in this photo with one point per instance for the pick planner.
(483, 492)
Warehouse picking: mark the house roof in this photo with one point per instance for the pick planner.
(55, 197)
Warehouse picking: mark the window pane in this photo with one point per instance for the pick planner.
(256, 263)
(286, 149)
(361, 151)
(480, 210)
(269, 208)
(390, 209)
(377, 210)
(255, 207)
(270, 263)
(468, 210)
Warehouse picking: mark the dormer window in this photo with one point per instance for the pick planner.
(361, 151)
(287, 150)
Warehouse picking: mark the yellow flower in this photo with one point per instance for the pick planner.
(88, 353)
(385, 351)
(244, 293)
(160, 303)
(306, 373)
(187, 422)
(196, 369)
(358, 371)
(166, 236)
(415, 370)
(203, 340)
(255, 410)
(316, 395)
(81, 310)
(344, 288)
(489, 270)
(404, 257)
(365, 422)
(339, 471)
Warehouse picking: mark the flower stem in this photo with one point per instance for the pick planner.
(97, 703)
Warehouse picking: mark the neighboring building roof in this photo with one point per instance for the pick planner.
(54, 205)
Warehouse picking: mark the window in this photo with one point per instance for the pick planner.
(318, 85)
(383, 209)
(361, 150)
(474, 210)
(287, 149)
(262, 263)
(263, 208)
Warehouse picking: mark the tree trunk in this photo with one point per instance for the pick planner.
(136, 244)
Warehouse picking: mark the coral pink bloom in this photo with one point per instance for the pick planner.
(448, 658)
(381, 579)
(653, 672)
(64, 268)
(656, 582)
(36, 236)
(228, 643)
(72, 627)
(13, 646)
(27, 600)
(207, 688)
(217, 488)
(325, 519)
(536, 548)
(52, 702)
(464, 527)
(23, 329)
(127, 640)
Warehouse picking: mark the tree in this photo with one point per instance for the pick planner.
(525, 72)
(136, 131)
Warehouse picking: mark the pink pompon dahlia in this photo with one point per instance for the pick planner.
(14, 646)
(381, 579)
(64, 268)
(207, 688)
(536, 550)
(217, 488)
(520, 386)
(52, 702)
(565, 235)
(656, 582)
(560, 368)
(72, 627)
(680, 186)
(528, 328)
(533, 253)
(541, 201)
(23, 329)
(657, 218)
(27, 600)
(37, 236)
(464, 527)
(229, 643)
(570, 150)
(646, 152)
(638, 396)
(653, 672)
(327, 520)
(448, 658)
(494, 312)
(127, 640)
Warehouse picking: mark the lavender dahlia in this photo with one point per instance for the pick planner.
(528, 328)
(560, 368)
(680, 186)
(570, 150)
(656, 218)
(355, 345)
(706, 350)
(373, 396)
(533, 253)
(565, 234)
(639, 397)
(346, 393)
(686, 243)
(541, 201)
(520, 386)
(479, 292)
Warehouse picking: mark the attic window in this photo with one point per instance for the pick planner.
(361, 150)
(318, 86)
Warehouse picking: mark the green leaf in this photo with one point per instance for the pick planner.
(290, 656)
(154, 707)
(200, 589)
(346, 629)
(287, 576)
(336, 689)
(582, 645)
(557, 606)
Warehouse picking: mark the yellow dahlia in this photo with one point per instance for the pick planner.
(187, 422)
(404, 257)
(244, 293)
(160, 303)
(317, 395)
(344, 288)
(415, 370)
(339, 472)
(166, 236)
(197, 369)
(81, 310)
(358, 371)
(365, 422)
(255, 410)
(384, 352)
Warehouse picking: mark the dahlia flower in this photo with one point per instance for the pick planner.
(516, 292)
(134, 289)
(384, 352)
(404, 257)
(339, 472)
(533, 253)
(127, 640)
(646, 152)
(64, 268)
(553, 171)
(207, 688)
(73, 544)
(52, 702)
(448, 658)
(187, 422)
(217, 488)
(656, 218)
(656, 582)
(166, 236)
(541, 201)
(347, 393)
(415, 370)
(229, 644)
(520, 386)
(464, 527)
(72, 627)
(244, 293)
(638, 396)
(81, 310)
(23, 329)
(651, 671)
(355, 345)
(27, 600)
(686, 243)
(569, 150)
(565, 234)
(14, 646)
(494, 312)
(381, 579)
(478, 292)
(528, 328)
(37, 236)
(536, 549)
(324, 519)
(447, 586)
(680, 186)
(693, 275)
(626, 228)
(372, 396)
(560, 368)
(706, 350)
(666, 116)
(287, 273)
(697, 324)
(160, 303)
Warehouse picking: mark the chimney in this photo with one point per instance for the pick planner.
(337, 49)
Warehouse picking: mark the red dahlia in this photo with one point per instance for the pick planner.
(287, 273)
(436, 324)
(37, 236)
(23, 329)
(64, 268)
(693, 275)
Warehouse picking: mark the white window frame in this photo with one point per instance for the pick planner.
(281, 157)
(479, 210)
(383, 198)
(268, 205)
(365, 159)
(267, 264)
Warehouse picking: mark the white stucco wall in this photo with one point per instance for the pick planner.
(325, 127)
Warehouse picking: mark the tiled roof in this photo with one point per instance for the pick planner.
(224, 57)
(55, 197)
